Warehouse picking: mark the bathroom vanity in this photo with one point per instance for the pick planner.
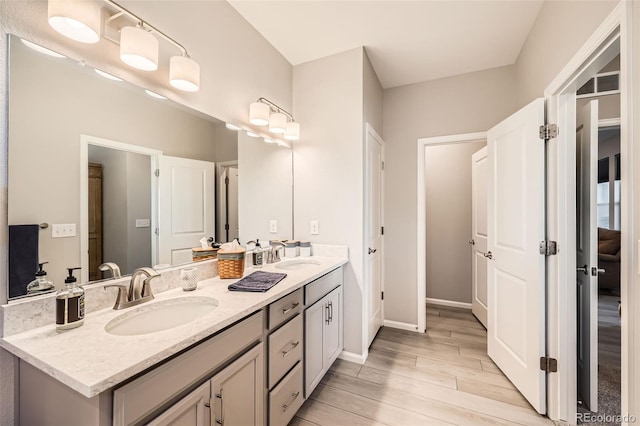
(252, 360)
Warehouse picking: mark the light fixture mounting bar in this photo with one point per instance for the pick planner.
(276, 107)
(145, 25)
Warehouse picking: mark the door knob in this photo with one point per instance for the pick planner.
(371, 251)
(595, 271)
(488, 255)
(584, 270)
(472, 242)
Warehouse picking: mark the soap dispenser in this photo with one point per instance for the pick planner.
(70, 304)
(258, 258)
(41, 283)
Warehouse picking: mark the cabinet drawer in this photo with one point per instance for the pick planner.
(285, 349)
(285, 308)
(323, 285)
(286, 399)
(139, 399)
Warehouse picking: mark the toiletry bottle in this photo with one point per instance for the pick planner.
(70, 304)
(258, 259)
(41, 283)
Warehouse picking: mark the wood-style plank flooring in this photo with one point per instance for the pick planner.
(442, 377)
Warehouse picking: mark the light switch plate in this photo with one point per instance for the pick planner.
(273, 226)
(314, 229)
(63, 230)
(143, 223)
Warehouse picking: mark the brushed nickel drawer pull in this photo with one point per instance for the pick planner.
(286, 311)
(293, 346)
(288, 403)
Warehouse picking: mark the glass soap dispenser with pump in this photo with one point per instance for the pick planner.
(70, 304)
(41, 283)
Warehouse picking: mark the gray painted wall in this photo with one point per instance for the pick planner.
(448, 219)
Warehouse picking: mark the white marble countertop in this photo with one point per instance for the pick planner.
(90, 360)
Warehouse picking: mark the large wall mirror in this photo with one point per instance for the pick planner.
(100, 171)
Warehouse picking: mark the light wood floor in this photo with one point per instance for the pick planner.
(441, 377)
(609, 337)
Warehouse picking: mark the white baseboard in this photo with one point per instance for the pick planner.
(400, 325)
(449, 303)
(351, 357)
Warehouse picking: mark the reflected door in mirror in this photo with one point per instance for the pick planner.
(95, 220)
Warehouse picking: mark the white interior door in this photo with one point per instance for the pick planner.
(479, 170)
(516, 269)
(186, 207)
(375, 158)
(587, 253)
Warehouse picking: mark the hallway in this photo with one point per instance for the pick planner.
(441, 377)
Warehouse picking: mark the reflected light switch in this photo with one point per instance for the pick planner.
(273, 226)
(143, 223)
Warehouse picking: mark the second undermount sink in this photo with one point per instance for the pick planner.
(296, 264)
(160, 316)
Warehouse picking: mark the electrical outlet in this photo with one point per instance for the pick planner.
(62, 230)
(314, 228)
(273, 226)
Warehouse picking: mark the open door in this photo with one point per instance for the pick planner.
(187, 208)
(516, 269)
(587, 254)
(479, 170)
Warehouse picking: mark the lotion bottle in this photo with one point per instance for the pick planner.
(70, 304)
(41, 283)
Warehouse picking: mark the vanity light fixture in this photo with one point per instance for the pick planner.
(106, 75)
(80, 20)
(138, 48)
(269, 140)
(252, 135)
(232, 126)
(184, 73)
(154, 94)
(263, 112)
(41, 49)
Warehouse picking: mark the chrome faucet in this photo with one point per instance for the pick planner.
(273, 256)
(111, 266)
(136, 292)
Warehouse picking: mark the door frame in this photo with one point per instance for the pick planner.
(421, 249)
(85, 141)
(220, 167)
(561, 299)
(369, 130)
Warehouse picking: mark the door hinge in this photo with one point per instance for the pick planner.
(382, 230)
(157, 173)
(548, 365)
(548, 131)
(226, 181)
(226, 226)
(157, 231)
(382, 295)
(548, 248)
(383, 165)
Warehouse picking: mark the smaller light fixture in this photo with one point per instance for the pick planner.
(259, 114)
(232, 126)
(252, 135)
(106, 75)
(184, 73)
(154, 94)
(292, 132)
(269, 140)
(138, 48)
(41, 49)
(277, 122)
(80, 20)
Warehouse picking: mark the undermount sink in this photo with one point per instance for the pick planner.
(296, 264)
(160, 316)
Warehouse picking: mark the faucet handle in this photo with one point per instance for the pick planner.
(122, 294)
(146, 285)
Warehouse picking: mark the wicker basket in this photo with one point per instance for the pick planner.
(231, 263)
(198, 254)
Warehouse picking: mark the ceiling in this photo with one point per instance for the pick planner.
(406, 41)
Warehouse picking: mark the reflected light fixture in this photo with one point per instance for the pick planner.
(232, 126)
(106, 75)
(263, 112)
(292, 132)
(269, 140)
(80, 20)
(139, 48)
(252, 135)
(154, 94)
(41, 49)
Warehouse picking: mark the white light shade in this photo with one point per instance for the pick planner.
(259, 114)
(252, 135)
(154, 94)
(292, 132)
(41, 49)
(184, 74)
(269, 140)
(138, 48)
(231, 126)
(277, 122)
(80, 20)
(106, 75)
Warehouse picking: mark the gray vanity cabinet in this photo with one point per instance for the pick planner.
(323, 337)
(192, 410)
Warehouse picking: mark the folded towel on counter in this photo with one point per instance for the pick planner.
(258, 281)
(23, 257)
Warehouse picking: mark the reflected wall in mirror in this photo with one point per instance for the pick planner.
(69, 127)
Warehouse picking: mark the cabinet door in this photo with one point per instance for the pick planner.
(192, 410)
(332, 328)
(238, 391)
(314, 319)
